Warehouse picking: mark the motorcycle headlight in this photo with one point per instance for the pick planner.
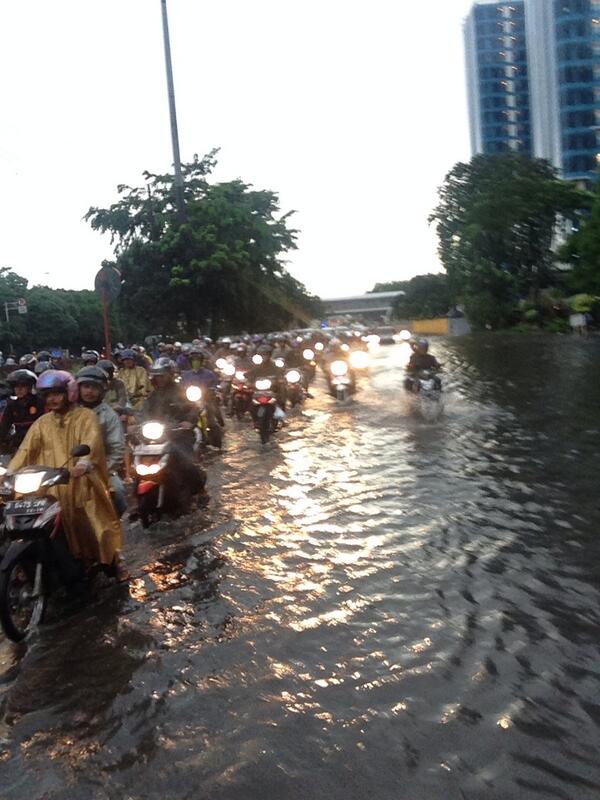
(193, 393)
(220, 363)
(229, 370)
(293, 376)
(359, 359)
(147, 469)
(3, 471)
(263, 385)
(405, 335)
(153, 430)
(308, 354)
(240, 376)
(338, 368)
(279, 363)
(345, 347)
(28, 482)
(257, 359)
(319, 347)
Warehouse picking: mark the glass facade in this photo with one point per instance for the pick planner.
(533, 70)
(503, 86)
(577, 34)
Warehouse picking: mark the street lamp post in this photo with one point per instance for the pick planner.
(179, 198)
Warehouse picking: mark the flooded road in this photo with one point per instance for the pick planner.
(375, 606)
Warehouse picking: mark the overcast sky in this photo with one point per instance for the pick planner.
(353, 111)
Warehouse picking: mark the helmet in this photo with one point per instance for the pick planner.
(162, 366)
(197, 352)
(10, 362)
(422, 344)
(22, 376)
(90, 355)
(42, 366)
(58, 380)
(264, 348)
(92, 374)
(125, 354)
(107, 366)
(43, 355)
(242, 348)
(28, 361)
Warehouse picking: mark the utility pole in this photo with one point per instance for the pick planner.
(179, 198)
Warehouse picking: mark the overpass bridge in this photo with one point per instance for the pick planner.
(375, 307)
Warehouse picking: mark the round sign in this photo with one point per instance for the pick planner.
(108, 283)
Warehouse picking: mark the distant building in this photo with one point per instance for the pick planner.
(533, 76)
(374, 307)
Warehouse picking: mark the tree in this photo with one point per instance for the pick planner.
(221, 270)
(496, 219)
(582, 250)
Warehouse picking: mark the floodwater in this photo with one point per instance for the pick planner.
(375, 606)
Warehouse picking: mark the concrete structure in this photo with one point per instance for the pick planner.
(375, 307)
(548, 50)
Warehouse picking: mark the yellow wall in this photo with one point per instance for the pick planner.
(439, 325)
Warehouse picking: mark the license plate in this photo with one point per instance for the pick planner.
(17, 507)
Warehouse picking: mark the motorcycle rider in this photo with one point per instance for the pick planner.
(421, 360)
(200, 375)
(169, 405)
(21, 411)
(93, 384)
(135, 379)
(116, 392)
(268, 369)
(91, 527)
(90, 358)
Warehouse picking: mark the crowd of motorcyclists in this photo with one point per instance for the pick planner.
(150, 412)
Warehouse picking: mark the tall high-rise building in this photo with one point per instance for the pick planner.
(533, 74)
(497, 77)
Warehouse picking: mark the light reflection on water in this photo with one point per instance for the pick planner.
(379, 604)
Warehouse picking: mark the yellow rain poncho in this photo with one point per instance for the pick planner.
(91, 526)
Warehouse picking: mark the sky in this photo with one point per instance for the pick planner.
(352, 111)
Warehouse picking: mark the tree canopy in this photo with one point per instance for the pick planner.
(220, 270)
(425, 296)
(496, 221)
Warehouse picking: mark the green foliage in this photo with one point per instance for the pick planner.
(495, 221)
(55, 317)
(582, 251)
(425, 296)
(221, 270)
(582, 303)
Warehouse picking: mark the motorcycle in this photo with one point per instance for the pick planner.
(209, 427)
(159, 487)
(295, 389)
(310, 367)
(240, 400)
(427, 387)
(31, 568)
(340, 380)
(265, 411)
(225, 371)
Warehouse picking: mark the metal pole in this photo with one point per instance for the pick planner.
(106, 324)
(173, 113)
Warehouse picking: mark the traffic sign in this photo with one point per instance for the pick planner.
(108, 283)
(21, 305)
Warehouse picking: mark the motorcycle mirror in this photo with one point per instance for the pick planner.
(80, 450)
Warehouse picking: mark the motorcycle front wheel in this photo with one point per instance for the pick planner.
(20, 611)
(147, 509)
(266, 427)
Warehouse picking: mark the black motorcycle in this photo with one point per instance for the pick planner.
(36, 561)
(166, 479)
